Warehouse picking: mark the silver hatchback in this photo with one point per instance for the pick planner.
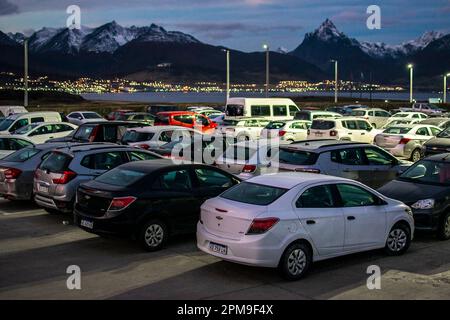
(59, 175)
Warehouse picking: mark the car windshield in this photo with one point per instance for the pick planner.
(26, 129)
(397, 130)
(5, 124)
(91, 115)
(323, 125)
(136, 136)
(275, 125)
(358, 113)
(445, 133)
(428, 172)
(297, 157)
(252, 193)
(120, 177)
(22, 155)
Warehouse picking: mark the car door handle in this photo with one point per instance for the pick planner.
(351, 218)
(310, 222)
(363, 134)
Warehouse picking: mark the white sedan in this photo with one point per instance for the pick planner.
(10, 143)
(41, 132)
(289, 220)
(80, 117)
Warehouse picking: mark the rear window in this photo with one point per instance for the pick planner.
(120, 177)
(323, 125)
(252, 193)
(56, 162)
(162, 119)
(302, 115)
(297, 157)
(234, 110)
(397, 130)
(22, 155)
(275, 125)
(84, 132)
(135, 136)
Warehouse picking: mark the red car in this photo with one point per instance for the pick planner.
(114, 114)
(186, 119)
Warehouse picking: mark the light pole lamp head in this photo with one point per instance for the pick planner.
(447, 75)
(265, 46)
(410, 66)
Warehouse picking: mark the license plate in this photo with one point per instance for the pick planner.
(219, 248)
(43, 189)
(87, 224)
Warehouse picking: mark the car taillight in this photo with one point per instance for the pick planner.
(66, 176)
(404, 141)
(263, 225)
(121, 203)
(93, 134)
(281, 133)
(12, 173)
(143, 146)
(249, 168)
(333, 133)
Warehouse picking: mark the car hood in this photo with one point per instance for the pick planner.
(409, 192)
(438, 142)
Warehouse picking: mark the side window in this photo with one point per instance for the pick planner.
(293, 110)
(435, 131)
(138, 117)
(377, 157)
(74, 115)
(19, 124)
(37, 119)
(415, 116)
(139, 156)
(103, 161)
(177, 180)
(201, 120)
(349, 157)
(17, 144)
(354, 196)
(166, 136)
(279, 110)
(371, 114)
(316, 197)
(363, 125)
(381, 114)
(251, 123)
(63, 128)
(351, 125)
(260, 111)
(422, 132)
(4, 145)
(298, 125)
(188, 119)
(43, 130)
(110, 133)
(212, 178)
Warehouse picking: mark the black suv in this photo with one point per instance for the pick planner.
(438, 144)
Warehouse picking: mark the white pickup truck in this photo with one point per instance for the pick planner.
(426, 108)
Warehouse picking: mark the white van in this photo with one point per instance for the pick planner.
(6, 111)
(16, 121)
(267, 108)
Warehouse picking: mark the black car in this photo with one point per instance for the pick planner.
(101, 131)
(150, 200)
(438, 144)
(199, 148)
(425, 187)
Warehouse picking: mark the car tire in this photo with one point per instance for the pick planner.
(398, 240)
(443, 232)
(416, 155)
(153, 235)
(295, 261)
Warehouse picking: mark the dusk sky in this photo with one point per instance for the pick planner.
(239, 24)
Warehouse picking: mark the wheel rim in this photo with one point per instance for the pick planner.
(296, 262)
(154, 235)
(447, 227)
(397, 240)
(416, 156)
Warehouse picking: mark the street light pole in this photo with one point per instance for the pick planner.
(411, 81)
(335, 80)
(445, 86)
(228, 74)
(265, 46)
(25, 77)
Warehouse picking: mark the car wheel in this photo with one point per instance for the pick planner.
(444, 227)
(416, 155)
(295, 261)
(398, 240)
(153, 235)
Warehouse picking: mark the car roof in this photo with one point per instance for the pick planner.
(158, 128)
(149, 166)
(322, 145)
(176, 112)
(288, 180)
(439, 157)
(80, 147)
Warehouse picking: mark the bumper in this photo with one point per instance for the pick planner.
(399, 151)
(426, 220)
(252, 250)
(48, 202)
(14, 190)
(108, 226)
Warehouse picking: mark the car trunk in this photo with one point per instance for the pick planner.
(388, 140)
(323, 129)
(52, 169)
(227, 218)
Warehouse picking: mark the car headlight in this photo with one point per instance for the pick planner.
(424, 204)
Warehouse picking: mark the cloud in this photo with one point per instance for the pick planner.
(7, 7)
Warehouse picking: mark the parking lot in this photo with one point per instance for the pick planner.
(36, 248)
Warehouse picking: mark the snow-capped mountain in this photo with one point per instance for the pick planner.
(327, 31)
(17, 37)
(106, 38)
(282, 50)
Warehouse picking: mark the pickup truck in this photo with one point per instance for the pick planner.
(426, 108)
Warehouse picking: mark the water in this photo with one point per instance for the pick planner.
(219, 97)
